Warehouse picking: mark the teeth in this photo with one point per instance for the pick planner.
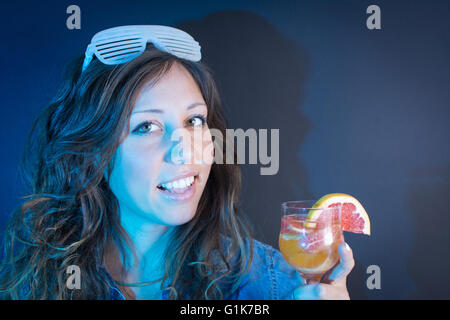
(179, 184)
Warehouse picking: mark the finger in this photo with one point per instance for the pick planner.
(333, 292)
(308, 292)
(321, 291)
(346, 263)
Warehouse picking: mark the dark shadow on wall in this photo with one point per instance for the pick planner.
(261, 76)
(356, 280)
(429, 204)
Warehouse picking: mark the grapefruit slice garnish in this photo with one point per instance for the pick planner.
(354, 217)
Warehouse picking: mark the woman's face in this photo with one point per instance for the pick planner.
(150, 183)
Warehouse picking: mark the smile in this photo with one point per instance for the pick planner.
(180, 190)
(178, 186)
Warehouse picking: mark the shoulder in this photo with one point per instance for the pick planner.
(269, 276)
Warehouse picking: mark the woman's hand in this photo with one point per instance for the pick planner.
(333, 286)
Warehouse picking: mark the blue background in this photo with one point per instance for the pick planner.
(364, 112)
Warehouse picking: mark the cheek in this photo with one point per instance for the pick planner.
(204, 149)
(207, 157)
(136, 171)
(142, 170)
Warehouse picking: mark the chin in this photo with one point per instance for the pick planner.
(178, 219)
(173, 215)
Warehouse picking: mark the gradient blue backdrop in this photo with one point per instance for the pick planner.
(361, 112)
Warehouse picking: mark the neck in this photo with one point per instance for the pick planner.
(149, 241)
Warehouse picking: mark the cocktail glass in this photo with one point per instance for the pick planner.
(309, 238)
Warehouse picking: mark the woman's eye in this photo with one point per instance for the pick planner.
(197, 121)
(147, 127)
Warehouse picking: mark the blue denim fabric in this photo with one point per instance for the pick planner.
(270, 278)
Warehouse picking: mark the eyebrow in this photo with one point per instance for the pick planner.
(193, 105)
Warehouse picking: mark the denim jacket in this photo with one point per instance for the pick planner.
(270, 277)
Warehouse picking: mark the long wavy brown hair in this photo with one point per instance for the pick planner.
(71, 217)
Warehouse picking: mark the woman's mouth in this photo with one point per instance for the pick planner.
(179, 190)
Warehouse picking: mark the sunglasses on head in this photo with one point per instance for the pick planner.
(121, 44)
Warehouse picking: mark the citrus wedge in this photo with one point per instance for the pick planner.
(354, 217)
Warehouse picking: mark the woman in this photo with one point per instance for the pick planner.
(109, 197)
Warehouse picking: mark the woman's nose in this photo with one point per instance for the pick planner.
(180, 152)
